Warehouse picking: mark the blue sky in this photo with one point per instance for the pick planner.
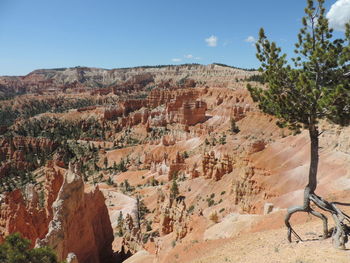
(113, 33)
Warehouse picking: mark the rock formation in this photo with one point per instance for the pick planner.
(171, 215)
(214, 168)
(257, 146)
(176, 166)
(190, 113)
(247, 188)
(80, 223)
(31, 212)
(181, 105)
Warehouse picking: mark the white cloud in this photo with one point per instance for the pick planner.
(189, 56)
(176, 59)
(339, 14)
(250, 39)
(212, 41)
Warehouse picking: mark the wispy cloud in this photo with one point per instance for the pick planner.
(176, 59)
(250, 39)
(226, 43)
(339, 14)
(212, 41)
(190, 56)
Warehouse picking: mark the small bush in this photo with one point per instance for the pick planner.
(190, 209)
(110, 181)
(145, 238)
(149, 226)
(185, 155)
(210, 202)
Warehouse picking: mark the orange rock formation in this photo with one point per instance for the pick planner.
(80, 222)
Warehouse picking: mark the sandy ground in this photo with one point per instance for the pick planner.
(272, 247)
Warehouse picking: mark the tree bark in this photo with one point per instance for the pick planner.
(313, 133)
(341, 230)
(310, 187)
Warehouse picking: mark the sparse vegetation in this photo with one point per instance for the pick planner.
(222, 139)
(9, 113)
(126, 187)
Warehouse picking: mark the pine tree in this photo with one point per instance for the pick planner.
(140, 212)
(234, 128)
(120, 224)
(316, 87)
(16, 249)
(174, 190)
(122, 166)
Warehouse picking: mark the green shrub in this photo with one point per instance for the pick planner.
(16, 249)
(190, 209)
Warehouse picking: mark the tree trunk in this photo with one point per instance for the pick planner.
(310, 187)
(341, 230)
(313, 133)
(312, 183)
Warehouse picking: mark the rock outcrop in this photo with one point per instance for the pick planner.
(248, 188)
(190, 113)
(172, 215)
(30, 212)
(213, 168)
(181, 106)
(80, 223)
(176, 166)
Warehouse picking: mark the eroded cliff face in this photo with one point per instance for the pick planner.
(80, 223)
(29, 212)
(60, 215)
(83, 77)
